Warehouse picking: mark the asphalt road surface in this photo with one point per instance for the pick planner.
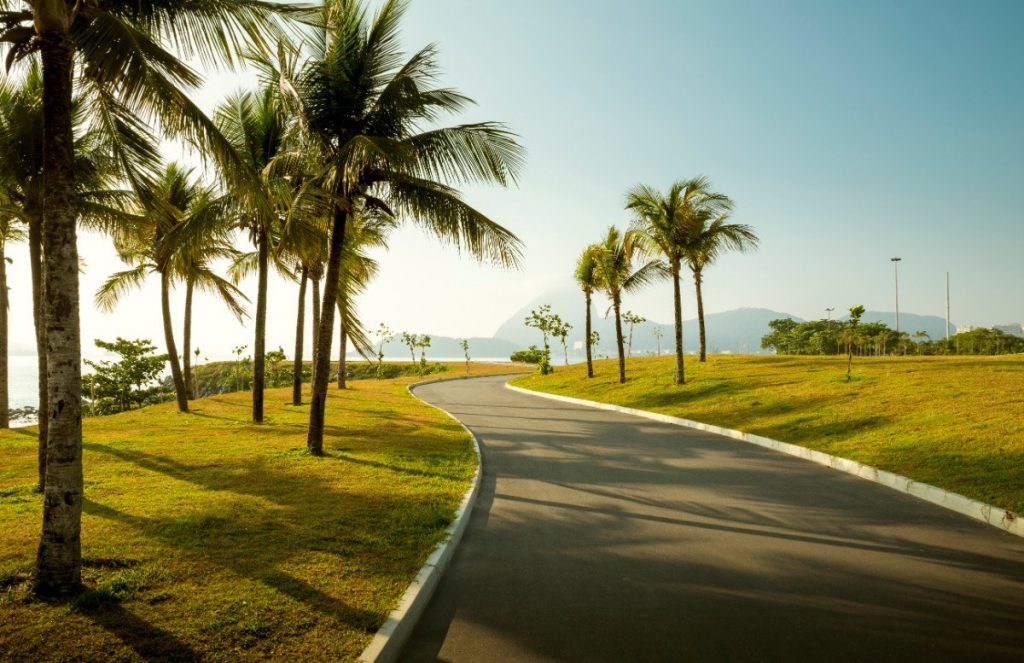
(604, 537)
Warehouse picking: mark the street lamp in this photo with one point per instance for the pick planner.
(896, 271)
(828, 312)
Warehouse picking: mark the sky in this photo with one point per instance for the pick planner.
(846, 133)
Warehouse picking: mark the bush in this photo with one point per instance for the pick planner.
(533, 355)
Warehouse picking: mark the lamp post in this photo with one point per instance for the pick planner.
(828, 312)
(896, 272)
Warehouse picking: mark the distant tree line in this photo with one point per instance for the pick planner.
(827, 337)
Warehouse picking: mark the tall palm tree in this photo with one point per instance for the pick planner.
(665, 221)
(364, 107)
(119, 48)
(161, 241)
(256, 125)
(587, 278)
(24, 191)
(615, 257)
(708, 238)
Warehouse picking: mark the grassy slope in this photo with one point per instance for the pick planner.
(206, 536)
(954, 422)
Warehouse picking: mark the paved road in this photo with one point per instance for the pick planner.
(605, 537)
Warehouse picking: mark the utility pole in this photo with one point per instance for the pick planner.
(896, 271)
(947, 306)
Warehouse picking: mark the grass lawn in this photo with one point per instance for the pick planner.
(955, 422)
(205, 536)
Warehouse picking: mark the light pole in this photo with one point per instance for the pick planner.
(828, 312)
(896, 271)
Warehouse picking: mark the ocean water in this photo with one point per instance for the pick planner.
(22, 380)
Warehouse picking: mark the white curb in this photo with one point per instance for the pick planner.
(1001, 518)
(391, 637)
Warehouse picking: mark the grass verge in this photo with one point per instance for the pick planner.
(208, 537)
(954, 422)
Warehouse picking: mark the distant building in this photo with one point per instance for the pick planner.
(963, 329)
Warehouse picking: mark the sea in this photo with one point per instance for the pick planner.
(22, 380)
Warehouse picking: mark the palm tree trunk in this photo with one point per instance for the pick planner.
(619, 340)
(260, 346)
(59, 559)
(343, 343)
(590, 357)
(698, 282)
(5, 418)
(172, 349)
(300, 332)
(322, 360)
(316, 326)
(186, 356)
(677, 305)
(35, 251)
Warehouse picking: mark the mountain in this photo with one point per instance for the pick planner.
(737, 331)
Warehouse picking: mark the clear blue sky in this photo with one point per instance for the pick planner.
(847, 132)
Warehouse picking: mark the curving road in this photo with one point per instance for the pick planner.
(604, 537)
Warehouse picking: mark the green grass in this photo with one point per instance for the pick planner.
(955, 422)
(205, 536)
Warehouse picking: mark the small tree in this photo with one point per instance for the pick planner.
(541, 319)
(632, 319)
(464, 344)
(850, 337)
(423, 342)
(657, 334)
(595, 340)
(560, 329)
(274, 359)
(131, 381)
(384, 336)
(411, 341)
(239, 351)
(195, 381)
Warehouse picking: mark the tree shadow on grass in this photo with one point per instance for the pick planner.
(148, 641)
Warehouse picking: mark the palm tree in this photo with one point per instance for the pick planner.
(708, 238)
(665, 221)
(23, 190)
(586, 277)
(173, 220)
(364, 108)
(117, 46)
(256, 125)
(615, 257)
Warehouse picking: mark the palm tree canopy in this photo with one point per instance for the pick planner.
(161, 237)
(586, 269)
(369, 116)
(21, 154)
(131, 59)
(616, 256)
(667, 220)
(709, 238)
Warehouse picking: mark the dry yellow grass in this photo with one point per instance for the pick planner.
(955, 422)
(208, 537)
